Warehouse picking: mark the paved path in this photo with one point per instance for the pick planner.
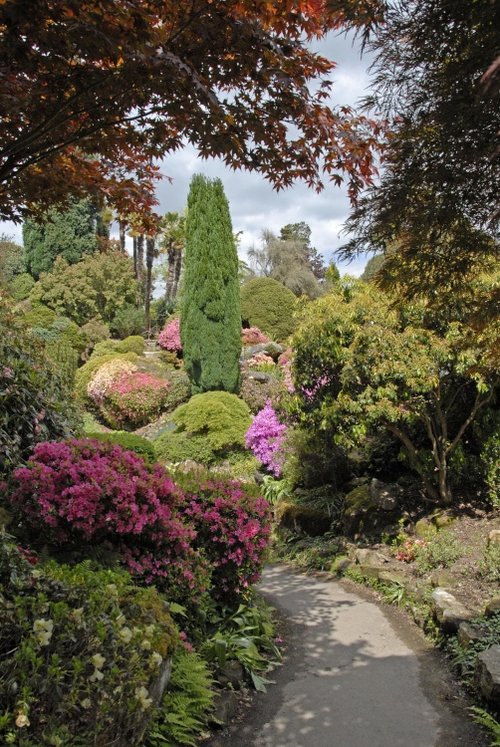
(355, 675)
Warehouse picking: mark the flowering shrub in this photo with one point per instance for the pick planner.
(233, 528)
(285, 361)
(85, 491)
(253, 336)
(81, 652)
(259, 359)
(265, 438)
(126, 396)
(407, 552)
(170, 336)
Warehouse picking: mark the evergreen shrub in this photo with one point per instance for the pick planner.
(81, 653)
(128, 321)
(268, 305)
(222, 418)
(128, 441)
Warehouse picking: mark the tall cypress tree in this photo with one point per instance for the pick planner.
(210, 305)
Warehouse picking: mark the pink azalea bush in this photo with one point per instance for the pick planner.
(285, 361)
(233, 529)
(90, 492)
(265, 438)
(253, 336)
(170, 336)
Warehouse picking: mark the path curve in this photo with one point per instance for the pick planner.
(356, 674)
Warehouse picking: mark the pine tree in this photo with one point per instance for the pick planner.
(210, 305)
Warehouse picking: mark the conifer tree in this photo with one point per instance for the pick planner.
(210, 305)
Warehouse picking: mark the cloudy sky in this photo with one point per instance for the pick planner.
(253, 203)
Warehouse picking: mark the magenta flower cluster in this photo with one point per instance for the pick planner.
(170, 336)
(253, 336)
(233, 530)
(87, 491)
(265, 438)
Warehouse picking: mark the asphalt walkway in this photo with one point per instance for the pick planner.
(356, 674)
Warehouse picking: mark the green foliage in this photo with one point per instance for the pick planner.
(268, 305)
(222, 418)
(21, 286)
(95, 331)
(128, 321)
(64, 359)
(70, 234)
(440, 551)
(132, 344)
(81, 651)
(35, 403)
(372, 268)
(84, 374)
(489, 568)
(187, 704)
(38, 315)
(490, 458)
(210, 305)
(62, 331)
(483, 718)
(464, 656)
(313, 459)
(174, 447)
(256, 393)
(12, 260)
(130, 441)
(96, 286)
(247, 636)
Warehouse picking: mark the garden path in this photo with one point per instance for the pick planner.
(356, 674)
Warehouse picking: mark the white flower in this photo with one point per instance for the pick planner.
(42, 629)
(156, 658)
(22, 720)
(142, 696)
(125, 634)
(86, 703)
(146, 645)
(98, 660)
(96, 676)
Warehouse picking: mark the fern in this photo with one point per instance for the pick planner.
(483, 718)
(186, 705)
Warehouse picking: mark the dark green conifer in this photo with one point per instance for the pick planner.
(210, 305)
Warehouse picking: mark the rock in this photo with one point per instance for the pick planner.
(232, 673)
(340, 565)
(492, 607)
(419, 616)
(156, 695)
(302, 519)
(369, 557)
(272, 349)
(448, 611)
(443, 578)
(425, 529)
(488, 674)
(392, 576)
(442, 519)
(225, 707)
(371, 571)
(494, 537)
(469, 633)
(260, 376)
(384, 496)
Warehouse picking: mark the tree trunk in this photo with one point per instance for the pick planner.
(122, 225)
(170, 281)
(134, 244)
(177, 273)
(150, 253)
(140, 259)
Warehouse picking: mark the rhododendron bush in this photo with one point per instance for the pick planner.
(253, 336)
(88, 492)
(170, 336)
(233, 528)
(126, 397)
(265, 438)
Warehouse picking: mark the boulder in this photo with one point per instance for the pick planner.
(260, 376)
(448, 611)
(365, 556)
(442, 577)
(488, 674)
(369, 507)
(340, 565)
(442, 519)
(385, 496)
(271, 348)
(492, 607)
(224, 708)
(469, 633)
(302, 519)
(232, 674)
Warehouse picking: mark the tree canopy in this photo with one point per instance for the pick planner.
(93, 92)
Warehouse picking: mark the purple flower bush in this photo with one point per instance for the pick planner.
(170, 336)
(87, 492)
(233, 528)
(265, 438)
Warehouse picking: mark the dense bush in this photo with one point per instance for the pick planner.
(257, 393)
(81, 654)
(21, 286)
(170, 336)
(253, 336)
(35, 402)
(490, 459)
(313, 459)
(128, 441)
(128, 321)
(172, 447)
(86, 492)
(232, 528)
(85, 373)
(222, 418)
(265, 438)
(268, 305)
(132, 344)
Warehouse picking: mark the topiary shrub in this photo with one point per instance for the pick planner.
(132, 344)
(128, 441)
(128, 321)
(268, 305)
(86, 492)
(64, 359)
(35, 402)
(232, 528)
(222, 418)
(83, 654)
(172, 447)
(265, 438)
